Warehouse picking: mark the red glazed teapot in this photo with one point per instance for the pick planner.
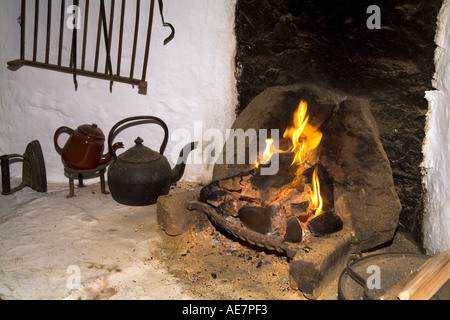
(84, 148)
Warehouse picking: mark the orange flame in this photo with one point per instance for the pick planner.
(316, 198)
(267, 153)
(304, 136)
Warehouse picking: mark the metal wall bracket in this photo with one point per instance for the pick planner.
(73, 69)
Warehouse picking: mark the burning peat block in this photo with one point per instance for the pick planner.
(294, 232)
(325, 223)
(326, 184)
(174, 218)
(300, 210)
(256, 218)
(279, 205)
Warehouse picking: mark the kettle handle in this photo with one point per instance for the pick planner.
(57, 133)
(112, 133)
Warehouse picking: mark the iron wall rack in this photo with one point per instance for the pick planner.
(72, 68)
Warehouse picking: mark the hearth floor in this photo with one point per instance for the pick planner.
(119, 252)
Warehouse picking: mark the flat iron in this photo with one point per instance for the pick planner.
(33, 169)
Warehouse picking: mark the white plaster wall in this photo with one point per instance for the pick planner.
(191, 79)
(436, 164)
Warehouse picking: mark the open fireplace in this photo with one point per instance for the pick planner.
(331, 195)
(328, 91)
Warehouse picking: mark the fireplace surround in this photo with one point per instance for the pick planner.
(328, 43)
(371, 84)
(362, 189)
(350, 151)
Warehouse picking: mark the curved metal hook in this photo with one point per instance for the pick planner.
(166, 24)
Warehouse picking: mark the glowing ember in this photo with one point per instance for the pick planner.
(316, 198)
(281, 195)
(304, 136)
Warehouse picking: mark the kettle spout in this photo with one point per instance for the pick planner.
(178, 170)
(106, 158)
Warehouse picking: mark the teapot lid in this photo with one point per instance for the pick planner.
(139, 153)
(92, 130)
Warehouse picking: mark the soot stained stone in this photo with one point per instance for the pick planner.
(294, 232)
(299, 208)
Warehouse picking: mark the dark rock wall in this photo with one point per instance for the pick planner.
(281, 42)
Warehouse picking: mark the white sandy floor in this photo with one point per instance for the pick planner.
(91, 247)
(86, 247)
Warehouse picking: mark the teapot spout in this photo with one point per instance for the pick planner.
(106, 158)
(178, 170)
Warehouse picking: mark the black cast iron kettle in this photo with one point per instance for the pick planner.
(138, 176)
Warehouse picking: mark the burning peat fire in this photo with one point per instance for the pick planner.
(316, 198)
(304, 137)
(332, 191)
(295, 203)
(267, 153)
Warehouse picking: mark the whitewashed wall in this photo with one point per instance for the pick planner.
(191, 79)
(436, 148)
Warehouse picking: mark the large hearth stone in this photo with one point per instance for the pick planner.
(318, 264)
(365, 196)
(174, 218)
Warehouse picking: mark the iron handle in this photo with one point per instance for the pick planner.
(6, 180)
(112, 132)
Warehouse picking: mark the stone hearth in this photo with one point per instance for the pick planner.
(352, 154)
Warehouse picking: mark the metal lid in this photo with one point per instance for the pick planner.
(92, 130)
(139, 153)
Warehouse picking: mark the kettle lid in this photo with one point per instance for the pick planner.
(92, 130)
(139, 153)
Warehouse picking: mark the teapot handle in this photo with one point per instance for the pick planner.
(57, 133)
(112, 133)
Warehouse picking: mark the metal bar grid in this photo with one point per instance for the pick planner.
(104, 30)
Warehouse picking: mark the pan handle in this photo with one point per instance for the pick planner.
(137, 120)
